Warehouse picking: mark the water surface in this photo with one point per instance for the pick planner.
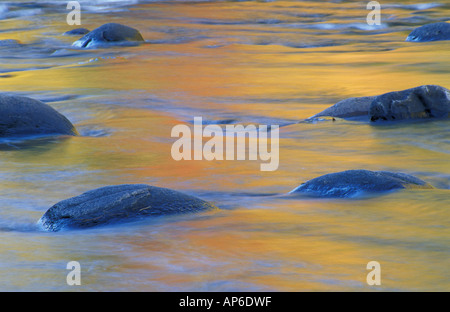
(275, 63)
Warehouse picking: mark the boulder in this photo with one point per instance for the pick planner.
(430, 32)
(352, 183)
(23, 116)
(117, 204)
(421, 102)
(107, 34)
(429, 101)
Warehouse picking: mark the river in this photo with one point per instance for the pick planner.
(249, 62)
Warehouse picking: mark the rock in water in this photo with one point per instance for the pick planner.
(76, 31)
(427, 101)
(107, 34)
(430, 32)
(121, 203)
(22, 116)
(352, 183)
(421, 102)
(348, 108)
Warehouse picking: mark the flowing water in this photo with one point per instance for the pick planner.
(247, 62)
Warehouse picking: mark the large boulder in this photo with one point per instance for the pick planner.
(23, 116)
(429, 101)
(421, 102)
(120, 203)
(352, 183)
(107, 34)
(430, 32)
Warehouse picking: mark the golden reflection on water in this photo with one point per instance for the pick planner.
(263, 242)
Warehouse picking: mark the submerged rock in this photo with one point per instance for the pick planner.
(10, 43)
(352, 183)
(22, 116)
(76, 31)
(427, 101)
(107, 34)
(421, 102)
(430, 32)
(120, 203)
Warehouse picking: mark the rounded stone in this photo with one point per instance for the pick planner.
(430, 32)
(23, 116)
(118, 204)
(352, 183)
(76, 31)
(107, 34)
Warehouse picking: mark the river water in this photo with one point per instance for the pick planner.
(246, 62)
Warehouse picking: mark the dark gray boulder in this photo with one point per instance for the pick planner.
(352, 183)
(428, 101)
(76, 32)
(116, 204)
(107, 34)
(430, 32)
(348, 108)
(23, 116)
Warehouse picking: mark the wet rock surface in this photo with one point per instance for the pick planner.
(352, 183)
(416, 103)
(430, 32)
(107, 34)
(76, 31)
(423, 102)
(348, 108)
(23, 116)
(117, 204)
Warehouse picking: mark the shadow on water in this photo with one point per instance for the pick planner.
(39, 144)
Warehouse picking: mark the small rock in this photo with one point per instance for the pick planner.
(107, 34)
(76, 31)
(421, 102)
(352, 183)
(430, 32)
(116, 204)
(22, 116)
